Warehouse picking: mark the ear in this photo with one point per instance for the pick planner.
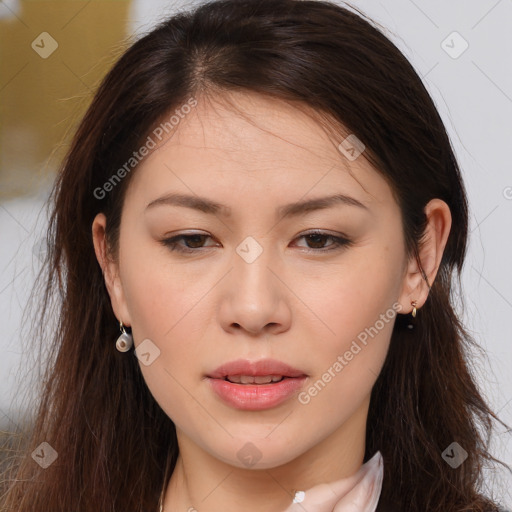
(110, 270)
(433, 243)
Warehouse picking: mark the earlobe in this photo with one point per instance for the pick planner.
(418, 279)
(109, 269)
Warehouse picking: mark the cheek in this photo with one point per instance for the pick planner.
(161, 292)
(355, 294)
(169, 310)
(355, 308)
(164, 301)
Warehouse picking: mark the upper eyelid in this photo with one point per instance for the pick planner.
(313, 231)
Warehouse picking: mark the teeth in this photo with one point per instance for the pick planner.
(249, 379)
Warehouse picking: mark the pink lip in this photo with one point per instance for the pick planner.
(256, 396)
(261, 367)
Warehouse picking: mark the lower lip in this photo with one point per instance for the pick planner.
(255, 397)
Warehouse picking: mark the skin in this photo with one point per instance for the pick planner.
(303, 308)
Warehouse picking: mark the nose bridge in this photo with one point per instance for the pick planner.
(251, 268)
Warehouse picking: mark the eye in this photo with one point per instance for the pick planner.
(318, 238)
(194, 242)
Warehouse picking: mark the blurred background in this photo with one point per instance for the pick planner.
(54, 53)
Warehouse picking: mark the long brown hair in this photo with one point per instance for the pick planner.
(113, 441)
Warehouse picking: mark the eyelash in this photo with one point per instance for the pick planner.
(339, 242)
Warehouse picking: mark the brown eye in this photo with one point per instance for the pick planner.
(193, 241)
(316, 241)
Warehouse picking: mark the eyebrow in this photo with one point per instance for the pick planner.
(293, 209)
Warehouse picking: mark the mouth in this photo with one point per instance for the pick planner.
(256, 385)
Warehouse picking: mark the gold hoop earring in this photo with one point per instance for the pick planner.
(412, 322)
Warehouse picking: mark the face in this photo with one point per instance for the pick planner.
(317, 289)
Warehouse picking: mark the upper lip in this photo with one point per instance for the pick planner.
(261, 367)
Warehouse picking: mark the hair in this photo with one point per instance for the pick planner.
(116, 446)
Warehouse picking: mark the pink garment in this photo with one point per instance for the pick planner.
(357, 493)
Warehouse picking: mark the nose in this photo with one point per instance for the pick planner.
(255, 298)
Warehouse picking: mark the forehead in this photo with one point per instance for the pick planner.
(255, 144)
(254, 129)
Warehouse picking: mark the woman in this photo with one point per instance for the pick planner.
(255, 236)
